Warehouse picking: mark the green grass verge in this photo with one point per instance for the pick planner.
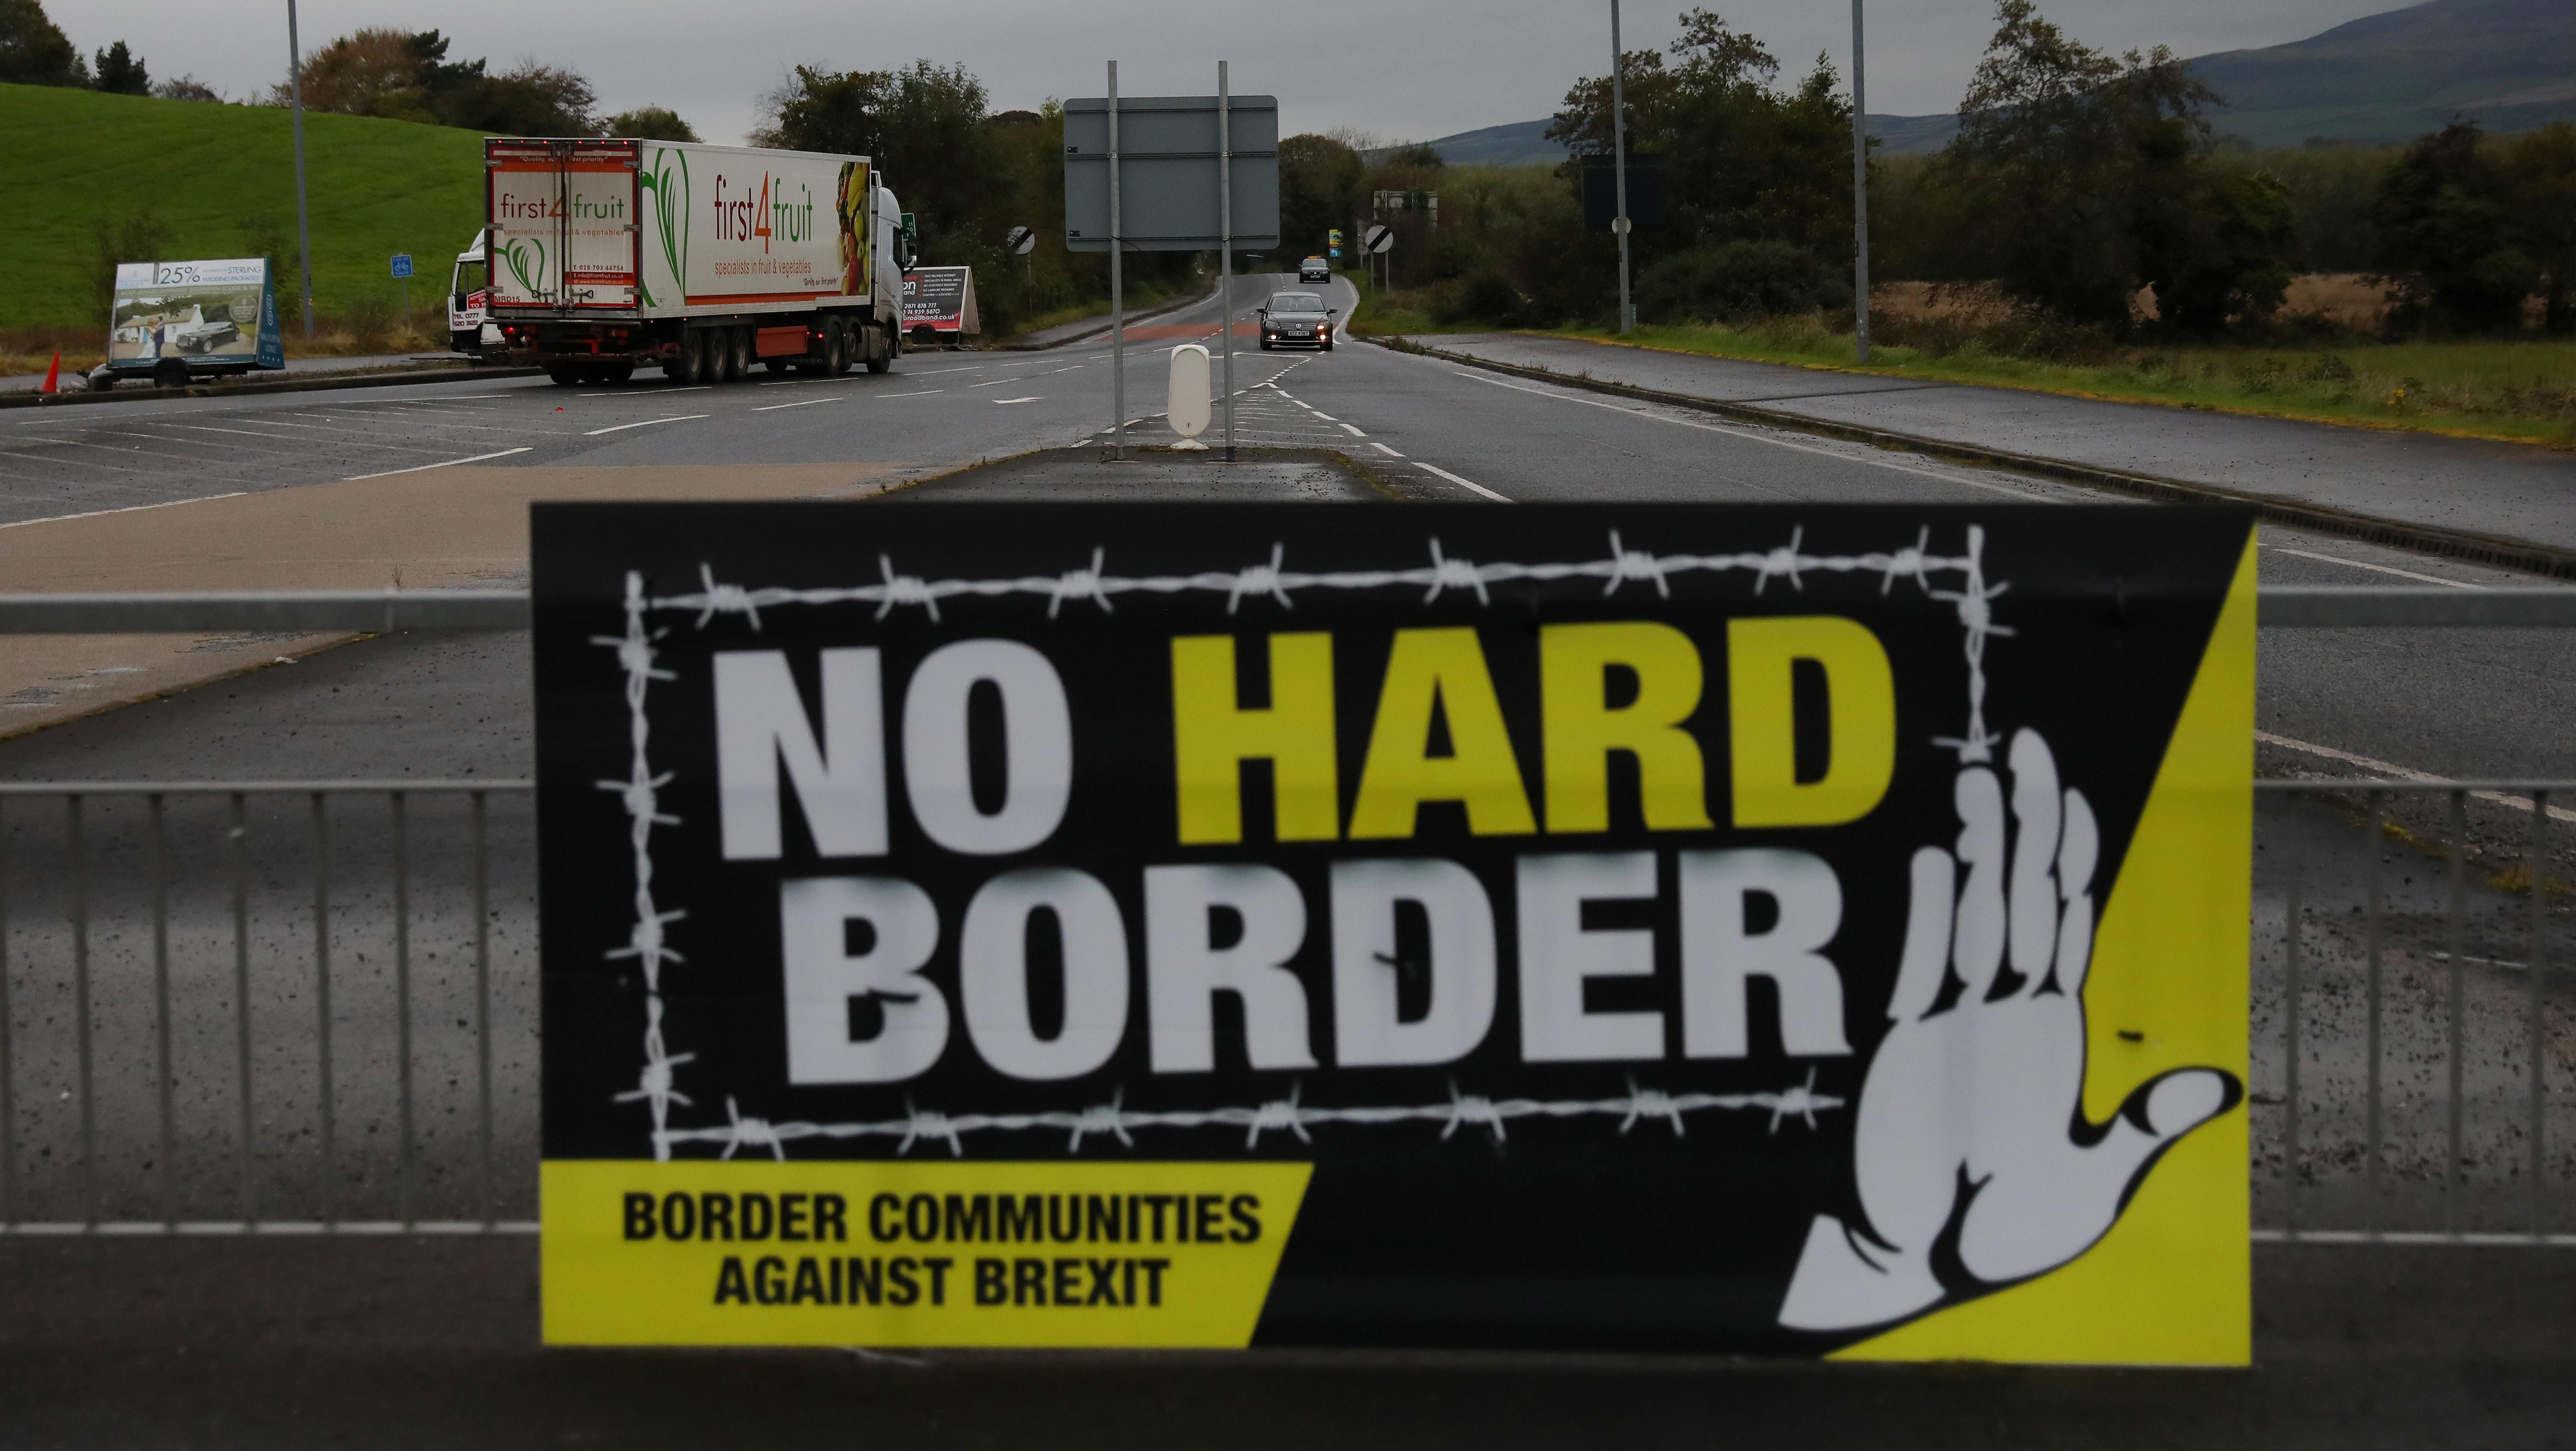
(2521, 391)
(221, 178)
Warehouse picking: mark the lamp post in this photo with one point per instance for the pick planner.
(303, 218)
(1860, 201)
(1619, 162)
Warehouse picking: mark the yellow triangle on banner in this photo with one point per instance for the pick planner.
(2171, 1283)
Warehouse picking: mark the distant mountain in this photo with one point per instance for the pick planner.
(2508, 65)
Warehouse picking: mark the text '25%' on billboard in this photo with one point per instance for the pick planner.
(1748, 929)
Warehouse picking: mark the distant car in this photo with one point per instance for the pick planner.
(1297, 319)
(1314, 269)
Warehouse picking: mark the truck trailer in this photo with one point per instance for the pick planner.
(610, 255)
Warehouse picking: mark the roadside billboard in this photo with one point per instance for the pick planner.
(1782, 930)
(208, 314)
(941, 299)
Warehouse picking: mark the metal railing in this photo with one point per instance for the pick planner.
(265, 1007)
(310, 1007)
(2411, 999)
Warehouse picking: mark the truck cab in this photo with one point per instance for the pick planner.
(468, 301)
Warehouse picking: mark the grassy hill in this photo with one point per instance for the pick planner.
(222, 180)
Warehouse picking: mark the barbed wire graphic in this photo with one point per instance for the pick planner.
(1113, 1120)
(648, 941)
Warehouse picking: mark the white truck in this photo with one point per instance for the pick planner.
(468, 301)
(610, 255)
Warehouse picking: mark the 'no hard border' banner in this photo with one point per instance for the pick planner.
(1787, 930)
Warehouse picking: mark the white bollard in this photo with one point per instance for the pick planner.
(1190, 407)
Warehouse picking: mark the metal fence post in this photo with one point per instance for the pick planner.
(2457, 986)
(483, 1009)
(322, 1000)
(72, 858)
(402, 998)
(2370, 928)
(241, 1014)
(158, 860)
(2539, 957)
(2294, 866)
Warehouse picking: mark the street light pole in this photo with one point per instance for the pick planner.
(1860, 200)
(1619, 163)
(1225, 243)
(303, 217)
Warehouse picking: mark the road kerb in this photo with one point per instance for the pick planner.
(2521, 554)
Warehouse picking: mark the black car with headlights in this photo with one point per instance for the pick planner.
(1297, 319)
(1314, 269)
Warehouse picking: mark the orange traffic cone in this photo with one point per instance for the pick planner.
(54, 374)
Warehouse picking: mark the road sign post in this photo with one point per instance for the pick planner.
(1225, 243)
(1619, 154)
(1165, 188)
(402, 274)
(1377, 241)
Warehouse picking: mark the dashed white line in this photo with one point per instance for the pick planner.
(647, 423)
(128, 509)
(441, 464)
(631, 393)
(997, 382)
(1346, 428)
(924, 393)
(808, 403)
(2376, 568)
(2403, 773)
(1468, 484)
(1382, 448)
(1039, 399)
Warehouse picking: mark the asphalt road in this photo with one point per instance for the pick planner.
(431, 1343)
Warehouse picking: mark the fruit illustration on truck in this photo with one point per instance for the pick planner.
(704, 261)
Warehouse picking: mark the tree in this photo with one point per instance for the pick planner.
(187, 88)
(2444, 215)
(1744, 162)
(34, 51)
(2087, 177)
(2540, 170)
(1320, 188)
(368, 73)
(121, 72)
(649, 123)
(923, 127)
(527, 100)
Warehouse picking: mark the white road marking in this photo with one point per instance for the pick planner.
(808, 403)
(1076, 368)
(924, 393)
(647, 423)
(1346, 428)
(1382, 448)
(442, 464)
(1635, 412)
(128, 509)
(243, 432)
(2376, 568)
(2403, 773)
(1040, 399)
(934, 372)
(1468, 484)
(688, 388)
(1319, 413)
(997, 382)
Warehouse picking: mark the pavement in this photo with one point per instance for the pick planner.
(71, 380)
(431, 1344)
(2465, 486)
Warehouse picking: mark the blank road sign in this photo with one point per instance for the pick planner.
(1167, 173)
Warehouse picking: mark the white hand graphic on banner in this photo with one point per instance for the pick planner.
(1976, 1167)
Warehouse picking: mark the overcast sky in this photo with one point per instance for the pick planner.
(1393, 68)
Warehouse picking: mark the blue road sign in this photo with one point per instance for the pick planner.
(402, 264)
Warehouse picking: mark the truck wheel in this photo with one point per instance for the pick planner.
(170, 373)
(566, 375)
(738, 351)
(836, 347)
(880, 358)
(619, 373)
(682, 366)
